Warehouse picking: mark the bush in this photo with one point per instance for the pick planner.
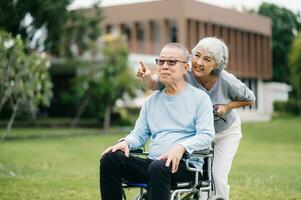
(125, 116)
(51, 123)
(292, 107)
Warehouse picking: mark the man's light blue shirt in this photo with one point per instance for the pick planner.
(185, 118)
(226, 89)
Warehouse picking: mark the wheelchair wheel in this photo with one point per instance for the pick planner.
(190, 196)
(123, 195)
(142, 197)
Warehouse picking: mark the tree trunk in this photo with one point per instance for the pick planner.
(81, 109)
(3, 100)
(11, 121)
(107, 118)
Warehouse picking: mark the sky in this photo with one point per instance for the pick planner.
(294, 5)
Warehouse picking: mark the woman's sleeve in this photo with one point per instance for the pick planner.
(158, 84)
(238, 91)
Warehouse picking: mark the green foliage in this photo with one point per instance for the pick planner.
(52, 14)
(125, 116)
(100, 85)
(117, 78)
(63, 28)
(24, 78)
(295, 66)
(285, 24)
(82, 30)
(290, 107)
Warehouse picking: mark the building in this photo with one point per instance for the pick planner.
(149, 25)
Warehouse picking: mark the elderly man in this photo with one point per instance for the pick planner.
(178, 120)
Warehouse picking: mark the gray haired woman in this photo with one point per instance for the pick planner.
(208, 61)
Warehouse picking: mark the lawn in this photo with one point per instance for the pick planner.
(63, 163)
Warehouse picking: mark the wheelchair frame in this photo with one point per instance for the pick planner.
(186, 190)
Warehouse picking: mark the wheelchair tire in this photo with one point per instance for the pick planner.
(123, 195)
(142, 197)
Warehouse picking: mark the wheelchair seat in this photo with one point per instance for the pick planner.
(203, 182)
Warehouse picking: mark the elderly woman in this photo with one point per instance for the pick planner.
(209, 58)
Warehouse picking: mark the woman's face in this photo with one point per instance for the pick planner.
(202, 62)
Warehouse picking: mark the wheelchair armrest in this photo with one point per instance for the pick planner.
(138, 152)
(197, 154)
(202, 153)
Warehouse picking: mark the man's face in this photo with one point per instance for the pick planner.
(172, 65)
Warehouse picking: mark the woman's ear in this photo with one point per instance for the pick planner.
(216, 71)
(218, 68)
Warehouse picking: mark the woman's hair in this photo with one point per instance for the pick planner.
(217, 49)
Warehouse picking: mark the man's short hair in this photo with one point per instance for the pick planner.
(179, 46)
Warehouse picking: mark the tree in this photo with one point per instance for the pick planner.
(24, 78)
(285, 25)
(295, 66)
(107, 81)
(52, 18)
(27, 17)
(117, 79)
(82, 31)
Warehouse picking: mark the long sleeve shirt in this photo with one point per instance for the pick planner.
(185, 118)
(227, 88)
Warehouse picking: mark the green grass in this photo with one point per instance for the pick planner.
(267, 166)
(268, 163)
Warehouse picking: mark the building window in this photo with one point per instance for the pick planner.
(140, 32)
(156, 37)
(173, 31)
(252, 84)
(140, 36)
(126, 30)
(108, 29)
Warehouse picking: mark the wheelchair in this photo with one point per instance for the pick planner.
(201, 185)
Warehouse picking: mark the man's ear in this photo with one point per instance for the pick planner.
(186, 66)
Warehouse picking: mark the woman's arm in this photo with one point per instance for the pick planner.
(238, 92)
(149, 81)
(222, 109)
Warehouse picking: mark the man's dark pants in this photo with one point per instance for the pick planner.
(115, 166)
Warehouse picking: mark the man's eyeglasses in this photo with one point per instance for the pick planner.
(169, 62)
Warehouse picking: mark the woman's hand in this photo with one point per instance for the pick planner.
(145, 74)
(222, 109)
(143, 71)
